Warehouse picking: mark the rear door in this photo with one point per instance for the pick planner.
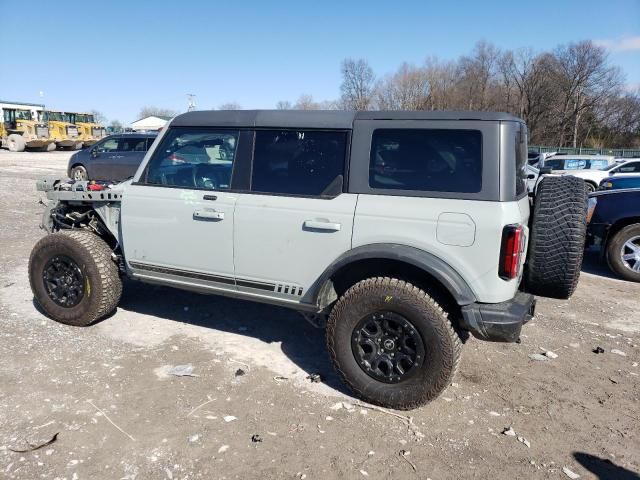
(296, 219)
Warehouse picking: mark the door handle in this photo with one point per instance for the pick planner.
(323, 225)
(202, 214)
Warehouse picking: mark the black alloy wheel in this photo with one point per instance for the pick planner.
(387, 347)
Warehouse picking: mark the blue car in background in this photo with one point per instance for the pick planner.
(616, 183)
(114, 158)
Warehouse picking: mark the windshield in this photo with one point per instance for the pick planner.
(83, 118)
(23, 115)
(57, 117)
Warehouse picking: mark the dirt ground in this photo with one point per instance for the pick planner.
(106, 391)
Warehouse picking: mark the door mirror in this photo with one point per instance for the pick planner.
(531, 176)
(612, 172)
(95, 152)
(546, 170)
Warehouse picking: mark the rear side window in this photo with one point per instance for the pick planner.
(298, 162)
(434, 160)
(194, 158)
(521, 160)
(132, 144)
(631, 167)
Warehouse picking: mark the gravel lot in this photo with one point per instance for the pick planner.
(106, 390)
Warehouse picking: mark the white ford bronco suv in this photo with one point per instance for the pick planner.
(398, 231)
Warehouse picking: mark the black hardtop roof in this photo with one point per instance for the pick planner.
(330, 119)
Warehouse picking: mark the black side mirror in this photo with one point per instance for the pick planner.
(531, 176)
(546, 170)
(94, 152)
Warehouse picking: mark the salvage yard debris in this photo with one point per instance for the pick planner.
(31, 446)
(182, 371)
(314, 378)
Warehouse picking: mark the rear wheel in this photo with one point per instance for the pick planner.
(79, 173)
(392, 344)
(73, 277)
(623, 253)
(590, 187)
(16, 143)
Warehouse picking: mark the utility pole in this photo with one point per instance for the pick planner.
(191, 103)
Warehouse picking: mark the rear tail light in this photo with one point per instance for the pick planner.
(511, 251)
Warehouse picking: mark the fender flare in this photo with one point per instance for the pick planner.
(440, 270)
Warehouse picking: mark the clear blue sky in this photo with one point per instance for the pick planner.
(119, 56)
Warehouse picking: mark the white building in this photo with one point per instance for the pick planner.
(150, 123)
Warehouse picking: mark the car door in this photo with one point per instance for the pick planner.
(178, 216)
(128, 157)
(103, 155)
(296, 220)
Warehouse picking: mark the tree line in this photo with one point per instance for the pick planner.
(571, 96)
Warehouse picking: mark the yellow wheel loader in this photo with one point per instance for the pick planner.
(89, 130)
(20, 130)
(63, 131)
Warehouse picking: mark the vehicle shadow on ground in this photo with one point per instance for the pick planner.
(302, 343)
(604, 469)
(595, 265)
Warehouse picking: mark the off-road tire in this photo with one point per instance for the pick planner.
(614, 247)
(16, 143)
(557, 237)
(442, 343)
(79, 173)
(103, 286)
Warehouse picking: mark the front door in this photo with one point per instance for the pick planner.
(296, 221)
(178, 217)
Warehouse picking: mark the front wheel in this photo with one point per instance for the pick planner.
(392, 344)
(16, 143)
(590, 187)
(623, 253)
(73, 277)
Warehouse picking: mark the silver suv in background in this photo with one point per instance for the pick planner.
(399, 231)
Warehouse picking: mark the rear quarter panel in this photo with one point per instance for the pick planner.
(421, 222)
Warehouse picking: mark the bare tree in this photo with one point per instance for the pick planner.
(284, 105)
(407, 89)
(230, 106)
(478, 70)
(357, 84)
(98, 117)
(149, 111)
(585, 79)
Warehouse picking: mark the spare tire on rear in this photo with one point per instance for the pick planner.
(557, 235)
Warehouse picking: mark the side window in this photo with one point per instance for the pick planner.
(132, 144)
(298, 162)
(108, 146)
(427, 160)
(631, 167)
(194, 158)
(150, 142)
